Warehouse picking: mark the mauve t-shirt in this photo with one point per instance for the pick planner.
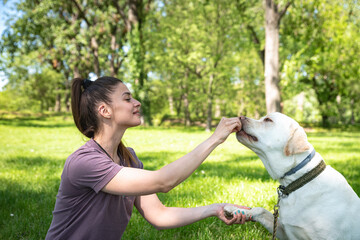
(82, 210)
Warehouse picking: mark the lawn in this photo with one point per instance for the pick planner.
(33, 152)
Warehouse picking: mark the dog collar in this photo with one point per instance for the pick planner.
(300, 165)
(295, 185)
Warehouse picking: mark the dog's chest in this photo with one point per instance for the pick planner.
(317, 209)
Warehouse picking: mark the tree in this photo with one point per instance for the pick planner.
(198, 41)
(273, 16)
(72, 37)
(323, 59)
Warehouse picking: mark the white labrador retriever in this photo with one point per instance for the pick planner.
(325, 207)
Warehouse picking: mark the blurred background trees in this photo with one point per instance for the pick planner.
(188, 61)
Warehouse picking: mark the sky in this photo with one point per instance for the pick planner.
(4, 10)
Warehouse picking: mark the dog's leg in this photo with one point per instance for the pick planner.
(261, 215)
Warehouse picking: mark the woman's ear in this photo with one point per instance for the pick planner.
(104, 111)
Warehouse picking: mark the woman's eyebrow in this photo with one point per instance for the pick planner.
(126, 93)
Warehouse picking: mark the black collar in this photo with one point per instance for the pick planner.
(298, 183)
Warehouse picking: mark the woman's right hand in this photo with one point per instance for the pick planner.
(238, 217)
(225, 127)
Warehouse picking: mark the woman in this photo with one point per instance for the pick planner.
(103, 180)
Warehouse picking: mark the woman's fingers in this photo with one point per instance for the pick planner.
(227, 126)
(238, 217)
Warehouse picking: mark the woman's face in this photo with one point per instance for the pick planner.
(125, 109)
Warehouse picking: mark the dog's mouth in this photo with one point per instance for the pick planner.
(242, 133)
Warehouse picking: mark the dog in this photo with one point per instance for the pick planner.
(322, 205)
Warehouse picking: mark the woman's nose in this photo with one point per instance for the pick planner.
(137, 103)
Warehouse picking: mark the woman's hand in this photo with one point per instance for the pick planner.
(225, 127)
(237, 218)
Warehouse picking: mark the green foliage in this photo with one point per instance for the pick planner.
(324, 55)
(185, 58)
(30, 87)
(35, 148)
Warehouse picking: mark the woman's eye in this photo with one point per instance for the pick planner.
(267, 120)
(128, 99)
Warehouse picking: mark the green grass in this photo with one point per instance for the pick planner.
(33, 152)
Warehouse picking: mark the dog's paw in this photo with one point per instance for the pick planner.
(230, 210)
(253, 214)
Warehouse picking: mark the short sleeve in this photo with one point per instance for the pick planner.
(92, 169)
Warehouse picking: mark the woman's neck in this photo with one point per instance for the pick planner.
(110, 143)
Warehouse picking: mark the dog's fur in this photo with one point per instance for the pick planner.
(325, 208)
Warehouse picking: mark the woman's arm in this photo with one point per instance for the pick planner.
(161, 217)
(133, 181)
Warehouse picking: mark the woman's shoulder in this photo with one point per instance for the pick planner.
(89, 147)
(86, 151)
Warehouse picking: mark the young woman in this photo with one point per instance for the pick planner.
(103, 180)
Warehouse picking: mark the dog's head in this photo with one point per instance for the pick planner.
(276, 139)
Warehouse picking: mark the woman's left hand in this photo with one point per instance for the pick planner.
(238, 218)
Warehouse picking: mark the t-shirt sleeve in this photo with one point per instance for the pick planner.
(92, 169)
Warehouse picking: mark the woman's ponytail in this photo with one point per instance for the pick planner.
(128, 157)
(83, 103)
(76, 92)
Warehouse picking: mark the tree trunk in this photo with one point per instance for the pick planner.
(136, 19)
(352, 120)
(178, 105)
(57, 107)
(209, 103)
(217, 109)
(187, 120)
(95, 50)
(113, 69)
(67, 101)
(325, 120)
(272, 24)
(341, 110)
(67, 90)
(272, 90)
(299, 112)
(77, 72)
(171, 104)
(147, 108)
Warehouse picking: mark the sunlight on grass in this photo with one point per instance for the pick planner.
(34, 152)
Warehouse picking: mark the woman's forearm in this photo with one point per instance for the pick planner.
(144, 182)
(171, 217)
(177, 171)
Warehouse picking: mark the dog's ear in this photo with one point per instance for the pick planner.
(297, 142)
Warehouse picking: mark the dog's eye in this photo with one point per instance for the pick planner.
(267, 120)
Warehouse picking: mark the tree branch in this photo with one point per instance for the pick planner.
(283, 11)
(81, 12)
(256, 41)
(147, 8)
(194, 71)
(120, 11)
(253, 34)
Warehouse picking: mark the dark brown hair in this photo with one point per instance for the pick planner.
(86, 95)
